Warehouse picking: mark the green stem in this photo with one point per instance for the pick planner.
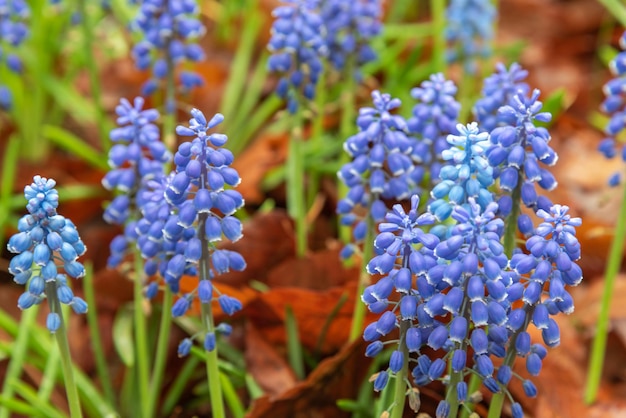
(295, 182)
(94, 333)
(598, 348)
(438, 8)
(472, 386)
(213, 374)
(358, 317)
(497, 401)
(169, 104)
(466, 92)
(510, 230)
(92, 69)
(317, 125)
(401, 376)
(161, 351)
(18, 355)
(141, 335)
(346, 129)
(8, 172)
(66, 357)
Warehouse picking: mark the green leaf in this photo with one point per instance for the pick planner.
(75, 145)
(294, 347)
(123, 336)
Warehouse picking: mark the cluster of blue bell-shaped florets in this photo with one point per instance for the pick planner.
(451, 287)
(202, 196)
(137, 156)
(298, 47)
(306, 32)
(46, 242)
(434, 117)
(614, 105)
(384, 165)
(469, 31)
(350, 25)
(169, 28)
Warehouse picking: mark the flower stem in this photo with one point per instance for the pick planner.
(213, 374)
(439, 34)
(400, 384)
(358, 317)
(161, 351)
(602, 328)
(497, 401)
(66, 358)
(511, 221)
(346, 128)
(141, 338)
(169, 103)
(295, 182)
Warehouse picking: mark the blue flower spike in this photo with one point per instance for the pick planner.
(297, 45)
(614, 105)
(47, 247)
(469, 30)
(202, 200)
(170, 29)
(350, 25)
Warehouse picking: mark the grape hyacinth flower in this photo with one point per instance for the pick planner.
(614, 105)
(202, 193)
(384, 166)
(46, 242)
(136, 157)
(469, 31)
(425, 280)
(518, 148)
(434, 118)
(462, 292)
(169, 28)
(350, 25)
(297, 45)
(13, 31)
(498, 90)
(468, 175)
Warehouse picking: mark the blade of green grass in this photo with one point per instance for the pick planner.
(294, 348)
(75, 145)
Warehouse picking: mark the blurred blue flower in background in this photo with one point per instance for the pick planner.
(170, 29)
(13, 31)
(469, 31)
(297, 45)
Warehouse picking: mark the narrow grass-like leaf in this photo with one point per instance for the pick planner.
(30, 395)
(294, 347)
(241, 62)
(50, 372)
(14, 370)
(254, 390)
(94, 333)
(172, 397)
(22, 408)
(123, 336)
(9, 168)
(231, 397)
(75, 145)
